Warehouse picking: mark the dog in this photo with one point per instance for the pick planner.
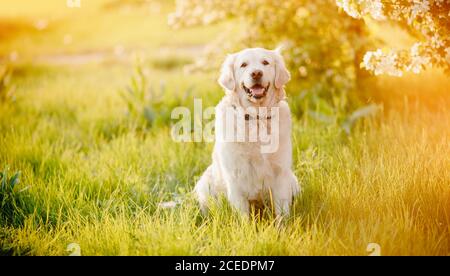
(253, 80)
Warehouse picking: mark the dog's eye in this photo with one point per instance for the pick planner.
(265, 62)
(243, 65)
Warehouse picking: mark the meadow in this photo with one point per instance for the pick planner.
(96, 172)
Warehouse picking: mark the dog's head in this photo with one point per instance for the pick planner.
(257, 75)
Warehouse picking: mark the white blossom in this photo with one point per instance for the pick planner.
(420, 7)
(419, 16)
(447, 56)
(425, 18)
(436, 41)
(372, 7)
(388, 65)
(375, 9)
(417, 61)
(348, 8)
(382, 63)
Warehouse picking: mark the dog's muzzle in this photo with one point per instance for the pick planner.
(257, 91)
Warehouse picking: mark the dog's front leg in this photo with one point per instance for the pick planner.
(236, 196)
(235, 173)
(284, 190)
(238, 200)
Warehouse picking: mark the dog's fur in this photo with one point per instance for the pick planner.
(239, 169)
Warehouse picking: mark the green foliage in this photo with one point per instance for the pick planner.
(386, 182)
(322, 46)
(170, 62)
(147, 106)
(310, 104)
(7, 183)
(362, 112)
(8, 196)
(426, 20)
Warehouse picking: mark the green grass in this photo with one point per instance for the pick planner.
(90, 176)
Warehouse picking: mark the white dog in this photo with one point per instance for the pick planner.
(253, 79)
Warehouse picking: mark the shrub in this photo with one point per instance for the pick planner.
(148, 107)
(426, 20)
(322, 46)
(8, 197)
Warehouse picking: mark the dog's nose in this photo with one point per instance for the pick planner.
(257, 74)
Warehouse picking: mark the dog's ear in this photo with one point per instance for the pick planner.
(282, 75)
(226, 79)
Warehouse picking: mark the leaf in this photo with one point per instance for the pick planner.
(14, 180)
(364, 112)
(7, 184)
(3, 176)
(321, 117)
(149, 114)
(322, 106)
(360, 113)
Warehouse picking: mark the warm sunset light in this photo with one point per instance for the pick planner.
(112, 114)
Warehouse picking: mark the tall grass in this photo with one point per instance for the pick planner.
(387, 182)
(89, 176)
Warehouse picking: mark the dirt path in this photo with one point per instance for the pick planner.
(118, 54)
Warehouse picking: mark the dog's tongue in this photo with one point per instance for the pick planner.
(257, 90)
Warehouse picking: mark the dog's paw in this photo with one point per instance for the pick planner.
(296, 189)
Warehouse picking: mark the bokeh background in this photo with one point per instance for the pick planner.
(86, 154)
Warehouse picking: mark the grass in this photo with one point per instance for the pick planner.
(89, 176)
